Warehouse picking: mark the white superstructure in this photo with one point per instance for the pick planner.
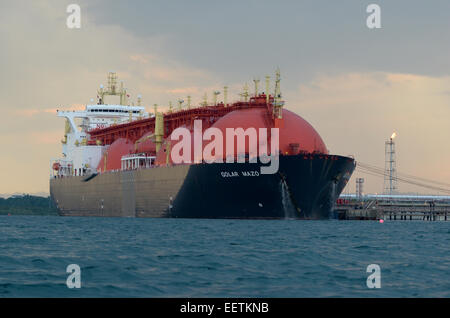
(79, 157)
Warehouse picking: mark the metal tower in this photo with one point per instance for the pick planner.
(359, 187)
(390, 169)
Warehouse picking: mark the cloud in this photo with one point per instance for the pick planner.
(46, 66)
(356, 112)
(143, 59)
(37, 111)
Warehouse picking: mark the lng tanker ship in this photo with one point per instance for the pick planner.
(246, 159)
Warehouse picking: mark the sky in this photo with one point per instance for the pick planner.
(355, 85)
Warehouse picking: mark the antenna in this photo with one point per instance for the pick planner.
(215, 93)
(122, 96)
(225, 95)
(256, 81)
(112, 90)
(277, 103)
(245, 93)
(112, 82)
(139, 100)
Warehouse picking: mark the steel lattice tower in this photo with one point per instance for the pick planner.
(359, 187)
(390, 169)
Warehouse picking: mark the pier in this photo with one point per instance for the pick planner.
(393, 207)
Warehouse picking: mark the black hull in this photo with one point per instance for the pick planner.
(305, 187)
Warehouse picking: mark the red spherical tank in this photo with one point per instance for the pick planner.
(145, 144)
(114, 153)
(295, 135)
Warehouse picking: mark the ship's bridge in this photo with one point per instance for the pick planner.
(101, 116)
(78, 155)
(114, 109)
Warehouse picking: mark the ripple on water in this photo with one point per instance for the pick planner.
(221, 258)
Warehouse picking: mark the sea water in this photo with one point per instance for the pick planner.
(128, 257)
